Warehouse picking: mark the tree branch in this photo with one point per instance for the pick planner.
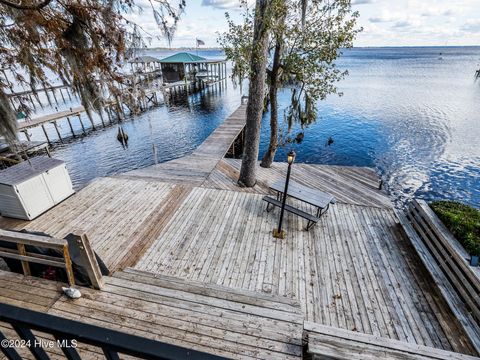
(26, 7)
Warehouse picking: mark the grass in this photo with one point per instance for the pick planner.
(463, 221)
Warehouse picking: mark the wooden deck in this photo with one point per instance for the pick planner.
(348, 184)
(238, 325)
(194, 169)
(188, 220)
(355, 270)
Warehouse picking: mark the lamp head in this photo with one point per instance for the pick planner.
(291, 157)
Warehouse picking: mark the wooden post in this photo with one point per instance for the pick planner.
(37, 96)
(68, 266)
(54, 96)
(61, 93)
(89, 261)
(26, 134)
(58, 132)
(48, 97)
(31, 101)
(91, 122)
(101, 117)
(71, 127)
(46, 135)
(81, 123)
(108, 109)
(25, 265)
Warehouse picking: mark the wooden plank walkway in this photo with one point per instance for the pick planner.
(348, 184)
(195, 168)
(237, 325)
(49, 118)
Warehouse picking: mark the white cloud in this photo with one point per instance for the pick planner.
(471, 26)
(222, 4)
(385, 22)
(362, 2)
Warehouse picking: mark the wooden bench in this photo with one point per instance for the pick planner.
(447, 262)
(78, 244)
(312, 219)
(325, 342)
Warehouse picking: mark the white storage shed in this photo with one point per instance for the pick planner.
(26, 191)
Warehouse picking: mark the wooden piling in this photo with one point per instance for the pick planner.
(58, 132)
(61, 93)
(71, 127)
(81, 123)
(31, 101)
(26, 134)
(54, 96)
(46, 135)
(108, 109)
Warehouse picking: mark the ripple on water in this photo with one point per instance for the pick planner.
(412, 117)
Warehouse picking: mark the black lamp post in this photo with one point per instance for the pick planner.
(279, 233)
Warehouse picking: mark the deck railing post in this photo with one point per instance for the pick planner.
(89, 261)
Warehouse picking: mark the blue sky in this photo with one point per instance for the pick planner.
(385, 22)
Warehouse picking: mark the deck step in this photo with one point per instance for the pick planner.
(325, 342)
(246, 297)
(205, 318)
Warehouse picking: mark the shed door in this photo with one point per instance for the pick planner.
(58, 183)
(35, 196)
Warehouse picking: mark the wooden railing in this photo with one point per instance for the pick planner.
(447, 262)
(79, 243)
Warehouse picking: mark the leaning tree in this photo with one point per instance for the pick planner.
(81, 42)
(306, 37)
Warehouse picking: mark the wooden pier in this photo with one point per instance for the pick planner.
(194, 263)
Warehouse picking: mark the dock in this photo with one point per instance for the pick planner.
(193, 263)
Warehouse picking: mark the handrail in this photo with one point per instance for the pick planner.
(22, 239)
(72, 332)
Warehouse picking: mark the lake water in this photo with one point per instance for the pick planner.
(411, 113)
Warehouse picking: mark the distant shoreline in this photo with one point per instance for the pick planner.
(183, 48)
(355, 47)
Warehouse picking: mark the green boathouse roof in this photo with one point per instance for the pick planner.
(183, 57)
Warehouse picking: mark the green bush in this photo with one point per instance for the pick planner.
(463, 221)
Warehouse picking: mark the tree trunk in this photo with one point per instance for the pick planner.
(272, 147)
(258, 64)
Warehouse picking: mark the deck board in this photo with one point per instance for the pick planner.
(187, 219)
(121, 217)
(237, 325)
(348, 184)
(351, 271)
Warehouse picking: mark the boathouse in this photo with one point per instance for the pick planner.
(144, 64)
(185, 66)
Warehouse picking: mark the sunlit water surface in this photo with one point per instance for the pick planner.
(410, 113)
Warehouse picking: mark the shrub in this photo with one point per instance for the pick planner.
(463, 221)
